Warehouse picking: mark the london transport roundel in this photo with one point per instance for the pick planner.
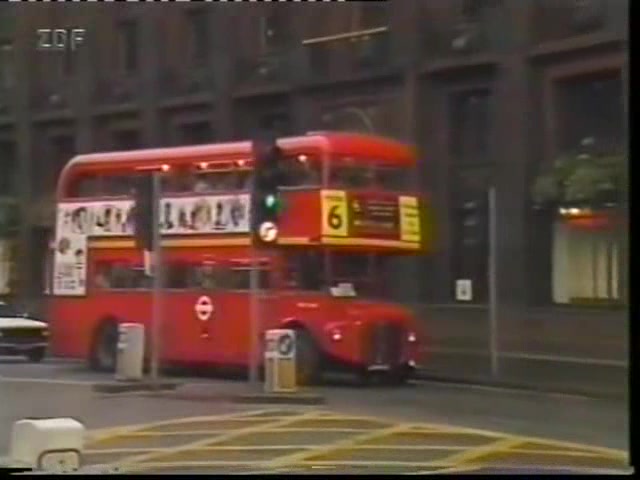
(268, 232)
(285, 345)
(203, 308)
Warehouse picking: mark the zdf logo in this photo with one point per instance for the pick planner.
(60, 38)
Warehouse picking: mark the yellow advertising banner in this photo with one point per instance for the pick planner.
(409, 219)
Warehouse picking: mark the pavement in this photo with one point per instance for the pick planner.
(422, 428)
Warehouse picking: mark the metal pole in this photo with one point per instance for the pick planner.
(156, 326)
(493, 284)
(254, 330)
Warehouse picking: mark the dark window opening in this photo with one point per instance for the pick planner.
(591, 113)
(116, 185)
(199, 28)
(470, 127)
(216, 182)
(196, 133)
(240, 279)
(273, 31)
(302, 172)
(351, 177)
(6, 64)
(304, 271)
(368, 273)
(121, 276)
(126, 139)
(374, 14)
(63, 149)
(129, 46)
(9, 168)
(470, 246)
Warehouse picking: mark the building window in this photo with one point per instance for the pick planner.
(63, 148)
(196, 133)
(126, 140)
(6, 65)
(9, 169)
(591, 110)
(273, 31)
(470, 233)
(373, 15)
(199, 35)
(587, 256)
(470, 126)
(585, 262)
(129, 46)
(277, 123)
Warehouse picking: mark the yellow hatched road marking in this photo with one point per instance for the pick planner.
(473, 454)
(297, 458)
(108, 433)
(138, 459)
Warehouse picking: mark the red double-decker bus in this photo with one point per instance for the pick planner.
(349, 210)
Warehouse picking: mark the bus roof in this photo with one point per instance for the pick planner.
(354, 145)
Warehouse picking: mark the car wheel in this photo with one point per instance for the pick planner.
(307, 359)
(36, 355)
(103, 352)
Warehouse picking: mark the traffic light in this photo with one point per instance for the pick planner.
(265, 199)
(143, 212)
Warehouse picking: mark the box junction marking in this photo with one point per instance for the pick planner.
(312, 440)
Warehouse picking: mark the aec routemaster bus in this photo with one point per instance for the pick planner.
(348, 211)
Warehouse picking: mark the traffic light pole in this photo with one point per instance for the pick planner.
(254, 306)
(493, 283)
(156, 320)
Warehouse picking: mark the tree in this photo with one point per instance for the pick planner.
(584, 179)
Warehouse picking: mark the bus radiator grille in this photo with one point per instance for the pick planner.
(384, 341)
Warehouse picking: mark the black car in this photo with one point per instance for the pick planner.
(21, 335)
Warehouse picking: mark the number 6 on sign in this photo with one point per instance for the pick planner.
(334, 213)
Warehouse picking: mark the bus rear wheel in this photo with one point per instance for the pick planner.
(307, 359)
(103, 350)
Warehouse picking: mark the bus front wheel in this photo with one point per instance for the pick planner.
(103, 351)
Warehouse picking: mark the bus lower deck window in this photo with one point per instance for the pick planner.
(240, 279)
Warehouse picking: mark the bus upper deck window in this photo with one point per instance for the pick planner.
(392, 178)
(352, 177)
(216, 182)
(85, 187)
(302, 172)
(116, 186)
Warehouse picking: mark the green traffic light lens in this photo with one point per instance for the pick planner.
(270, 201)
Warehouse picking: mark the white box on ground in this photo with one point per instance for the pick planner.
(464, 290)
(54, 444)
(130, 356)
(280, 361)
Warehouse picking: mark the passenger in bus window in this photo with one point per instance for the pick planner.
(303, 173)
(226, 182)
(244, 180)
(101, 279)
(202, 184)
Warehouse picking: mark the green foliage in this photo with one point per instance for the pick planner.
(583, 179)
(8, 215)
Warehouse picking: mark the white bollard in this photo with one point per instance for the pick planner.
(130, 356)
(52, 444)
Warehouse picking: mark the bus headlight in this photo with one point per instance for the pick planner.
(336, 335)
(411, 338)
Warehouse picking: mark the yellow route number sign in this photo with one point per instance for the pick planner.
(335, 217)
(409, 219)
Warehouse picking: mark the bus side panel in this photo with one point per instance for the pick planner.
(301, 216)
(71, 324)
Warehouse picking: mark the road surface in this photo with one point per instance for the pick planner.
(432, 412)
